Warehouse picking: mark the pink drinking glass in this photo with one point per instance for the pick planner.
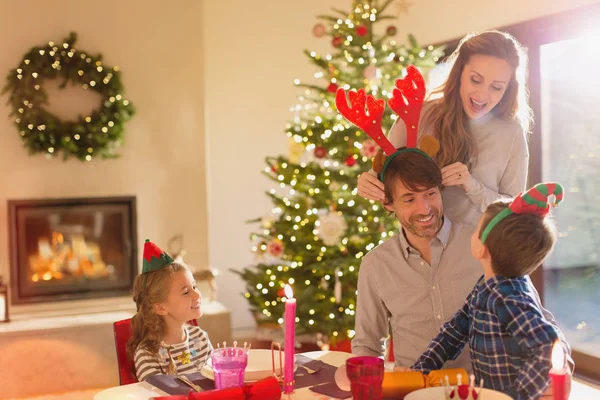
(366, 376)
(229, 365)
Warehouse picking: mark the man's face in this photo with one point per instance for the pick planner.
(419, 212)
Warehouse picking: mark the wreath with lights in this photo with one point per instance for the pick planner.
(99, 134)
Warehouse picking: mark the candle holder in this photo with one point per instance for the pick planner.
(558, 373)
(3, 302)
(276, 346)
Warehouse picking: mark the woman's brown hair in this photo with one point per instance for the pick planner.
(447, 116)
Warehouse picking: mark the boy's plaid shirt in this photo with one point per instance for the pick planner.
(510, 341)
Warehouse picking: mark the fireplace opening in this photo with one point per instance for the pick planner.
(64, 249)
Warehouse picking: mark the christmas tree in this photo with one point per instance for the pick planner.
(320, 228)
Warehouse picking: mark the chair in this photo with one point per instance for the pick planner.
(122, 330)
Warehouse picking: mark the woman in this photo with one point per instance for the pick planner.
(481, 122)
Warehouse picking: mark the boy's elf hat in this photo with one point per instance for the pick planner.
(366, 112)
(534, 201)
(154, 257)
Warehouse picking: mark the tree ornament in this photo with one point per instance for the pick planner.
(281, 292)
(332, 88)
(261, 248)
(372, 72)
(362, 30)
(330, 228)
(391, 30)
(296, 151)
(324, 284)
(369, 148)
(275, 248)
(337, 288)
(351, 161)
(99, 134)
(319, 30)
(320, 152)
(337, 42)
(267, 222)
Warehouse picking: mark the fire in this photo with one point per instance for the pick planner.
(57, 258)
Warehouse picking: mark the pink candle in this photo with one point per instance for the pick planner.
(558, 373)
(290, 333)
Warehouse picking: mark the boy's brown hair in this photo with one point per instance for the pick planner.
(414, 170)
(519, 243)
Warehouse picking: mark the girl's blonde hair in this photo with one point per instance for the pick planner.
(147, 327)
(447, 116)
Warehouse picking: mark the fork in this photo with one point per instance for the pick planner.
(311, 371)
(187, 381)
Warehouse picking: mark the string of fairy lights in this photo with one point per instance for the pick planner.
(98, 134)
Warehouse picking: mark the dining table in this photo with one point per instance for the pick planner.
(145, 390)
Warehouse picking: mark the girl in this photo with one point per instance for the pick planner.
(166, 297)
(481, 122)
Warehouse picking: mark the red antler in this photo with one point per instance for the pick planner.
(407, 101)
(369, 121)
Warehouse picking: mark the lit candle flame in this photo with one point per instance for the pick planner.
(288, 292)
(559, 358)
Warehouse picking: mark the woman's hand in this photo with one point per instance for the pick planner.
(370, 187)
(457, 174)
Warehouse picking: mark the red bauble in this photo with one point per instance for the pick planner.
(362, 30)
(319, 30)
(350, 161)
(274, 169)
(332, 88)
(337, 42)
(391, 30)
(320, 152)
(281, 292)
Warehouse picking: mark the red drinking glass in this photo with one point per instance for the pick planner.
(366, 376)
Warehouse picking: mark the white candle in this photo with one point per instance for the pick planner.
(2, 308)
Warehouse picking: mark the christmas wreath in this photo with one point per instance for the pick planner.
(99, 134)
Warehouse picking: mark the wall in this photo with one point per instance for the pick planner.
(251, 58)
(433, 21)
(159, 51)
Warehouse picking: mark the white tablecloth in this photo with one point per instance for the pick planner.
(144, 390)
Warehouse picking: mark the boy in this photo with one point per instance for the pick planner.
(510, 340)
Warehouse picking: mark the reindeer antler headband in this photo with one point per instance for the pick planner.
(534, 201)
(407, 102)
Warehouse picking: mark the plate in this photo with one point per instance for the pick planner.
(259, 366)
(437, 393)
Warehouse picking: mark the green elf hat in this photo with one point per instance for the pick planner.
(534, 201)
(154, 257)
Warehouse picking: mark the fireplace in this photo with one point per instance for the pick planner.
(64, 249)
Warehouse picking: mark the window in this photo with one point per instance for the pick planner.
(564, 85)
(570, 154)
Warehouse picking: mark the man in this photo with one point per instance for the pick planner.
(418, 279)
